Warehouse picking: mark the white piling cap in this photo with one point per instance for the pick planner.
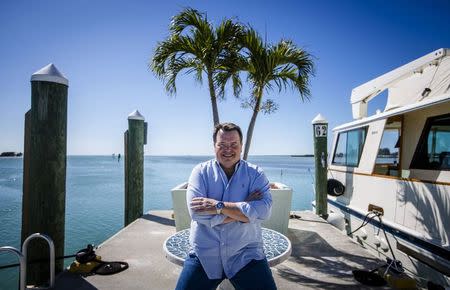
(136, 116)
(319, 119)
(50, 73)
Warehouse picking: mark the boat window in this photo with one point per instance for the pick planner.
(387, 162)
(349, 147)
(433, 150)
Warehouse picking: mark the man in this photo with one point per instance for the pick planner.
(228, 198)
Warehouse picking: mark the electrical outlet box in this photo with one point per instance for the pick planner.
(375, 208)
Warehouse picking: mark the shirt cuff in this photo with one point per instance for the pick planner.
(217, 220)
(248, 211)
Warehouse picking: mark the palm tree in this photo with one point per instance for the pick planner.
(282, 65)
(196, 46)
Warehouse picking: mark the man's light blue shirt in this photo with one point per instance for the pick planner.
(227, 248)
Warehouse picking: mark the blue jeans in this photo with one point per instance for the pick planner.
(256, 275)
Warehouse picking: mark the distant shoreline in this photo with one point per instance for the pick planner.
(185, 155)
(11, 154)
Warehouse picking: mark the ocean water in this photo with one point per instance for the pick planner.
(95, 196)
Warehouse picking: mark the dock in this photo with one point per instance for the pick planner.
(322, 257)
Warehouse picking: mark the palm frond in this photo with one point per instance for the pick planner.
(287, 52)
(189, 18)
(166, 50)
(175, 66)
(228, 67)
(228, 34)
(222, 78)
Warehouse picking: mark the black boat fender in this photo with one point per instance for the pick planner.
(335, 187)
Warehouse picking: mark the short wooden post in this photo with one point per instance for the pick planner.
(44, 190)
(320, 131)
(134, 167)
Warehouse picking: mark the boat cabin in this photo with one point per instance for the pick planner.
(398, 161)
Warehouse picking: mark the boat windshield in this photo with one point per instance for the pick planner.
(349, 147)
(433, 150)
(387, 162)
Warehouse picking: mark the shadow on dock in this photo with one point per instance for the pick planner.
(319, 265)
(72, 281)
(322, 257)
(159, 219)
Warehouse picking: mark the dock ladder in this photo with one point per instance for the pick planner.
(23, 260)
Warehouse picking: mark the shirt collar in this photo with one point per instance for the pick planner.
(225, 180)
(235, 167)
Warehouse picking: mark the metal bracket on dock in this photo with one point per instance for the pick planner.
(23, 260)
(51, 246)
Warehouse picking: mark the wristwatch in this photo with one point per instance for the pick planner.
(219, 206)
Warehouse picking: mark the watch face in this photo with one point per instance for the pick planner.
(219, 205)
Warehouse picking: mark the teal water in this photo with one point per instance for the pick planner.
(95, 195)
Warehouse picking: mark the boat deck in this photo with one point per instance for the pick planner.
(322, 257)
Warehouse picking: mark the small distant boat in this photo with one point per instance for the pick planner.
(396, 164)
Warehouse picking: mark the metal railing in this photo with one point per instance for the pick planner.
(22, 262)
(23, 259)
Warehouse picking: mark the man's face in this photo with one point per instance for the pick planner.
(228, 148)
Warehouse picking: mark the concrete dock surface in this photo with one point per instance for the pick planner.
(322, 257)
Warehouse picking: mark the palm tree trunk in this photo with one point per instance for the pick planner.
(251, 125)
(212, 93)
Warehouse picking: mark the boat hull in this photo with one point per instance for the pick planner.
(421, 259)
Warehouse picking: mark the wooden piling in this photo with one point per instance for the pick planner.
(320, 133)
(26, 177)
(134, 167)
(44, 190)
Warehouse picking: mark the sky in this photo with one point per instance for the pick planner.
(104, 48)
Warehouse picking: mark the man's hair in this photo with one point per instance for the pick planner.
(226, 127)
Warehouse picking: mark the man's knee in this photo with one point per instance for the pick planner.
(194, 277)
(255, 275)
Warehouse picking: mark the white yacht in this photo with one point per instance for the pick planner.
(396, 163)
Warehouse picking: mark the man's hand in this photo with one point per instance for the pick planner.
(203, 205)
(256, 195)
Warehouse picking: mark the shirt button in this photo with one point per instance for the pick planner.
(223, 244)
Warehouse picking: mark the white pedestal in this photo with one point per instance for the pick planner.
(279, 220)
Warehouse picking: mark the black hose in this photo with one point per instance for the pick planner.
(36, 261)
(385, 235)
(395, 262)
(365, 221)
